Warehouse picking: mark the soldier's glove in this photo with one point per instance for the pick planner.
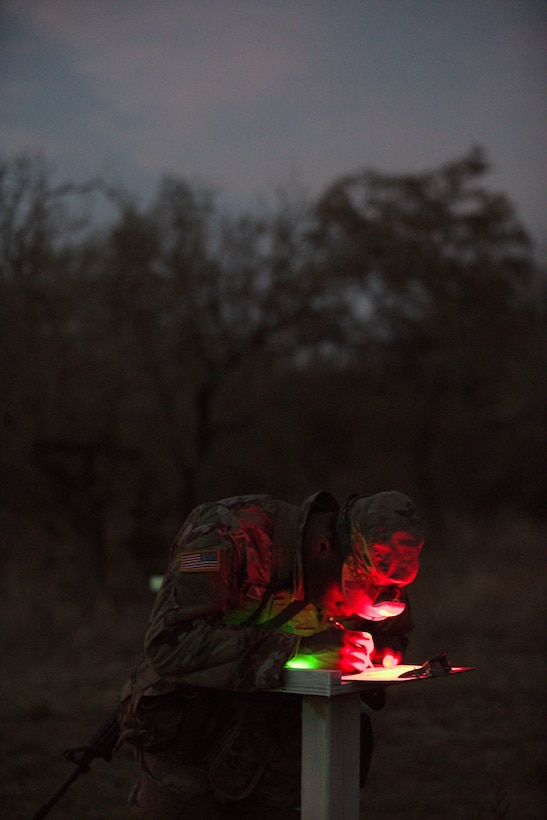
(348, 650)
(356, 651)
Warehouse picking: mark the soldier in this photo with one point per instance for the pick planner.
(254, 585)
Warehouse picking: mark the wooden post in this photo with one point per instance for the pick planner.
(330, 757)
(331, 725)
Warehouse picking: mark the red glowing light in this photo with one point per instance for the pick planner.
(389, 660)
(387, 657)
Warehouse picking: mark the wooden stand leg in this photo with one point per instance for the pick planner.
(330, 757)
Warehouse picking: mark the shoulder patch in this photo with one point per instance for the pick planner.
(204, 561)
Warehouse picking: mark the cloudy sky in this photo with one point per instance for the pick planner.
(243, 95)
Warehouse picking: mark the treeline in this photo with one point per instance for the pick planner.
(389, 333)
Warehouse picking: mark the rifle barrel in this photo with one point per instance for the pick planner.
(44, 811)
(102, 744)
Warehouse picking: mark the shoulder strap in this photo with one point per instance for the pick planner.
(283, 538)
(282, 617)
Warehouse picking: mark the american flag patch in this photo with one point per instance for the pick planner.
(206, 561)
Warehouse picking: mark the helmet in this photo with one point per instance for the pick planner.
(381, 537)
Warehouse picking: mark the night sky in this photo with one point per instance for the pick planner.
(245, 95)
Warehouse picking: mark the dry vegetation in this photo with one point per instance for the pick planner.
(466, 747)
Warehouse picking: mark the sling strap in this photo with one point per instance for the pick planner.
(284, 536)
(284, 539)
(285, 615)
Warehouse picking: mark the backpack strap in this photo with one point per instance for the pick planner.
(284, 537)
(282, 617)
(284, 540)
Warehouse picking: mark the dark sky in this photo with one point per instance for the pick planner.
(244, 95)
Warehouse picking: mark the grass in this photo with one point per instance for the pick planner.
(472, 746)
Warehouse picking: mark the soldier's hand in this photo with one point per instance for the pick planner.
(356, 651)
(348, 650)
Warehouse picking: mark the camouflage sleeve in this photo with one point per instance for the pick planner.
(204, 652)
(187, 641)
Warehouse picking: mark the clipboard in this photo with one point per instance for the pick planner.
(330, 682)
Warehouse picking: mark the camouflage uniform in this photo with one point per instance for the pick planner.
(229, 615)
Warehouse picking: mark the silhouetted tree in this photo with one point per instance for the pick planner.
(443, 273)
(392, 333)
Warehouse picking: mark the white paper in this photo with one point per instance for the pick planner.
(379, 673)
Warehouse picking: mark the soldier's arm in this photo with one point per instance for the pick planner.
(187, 641)
(204, 652)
